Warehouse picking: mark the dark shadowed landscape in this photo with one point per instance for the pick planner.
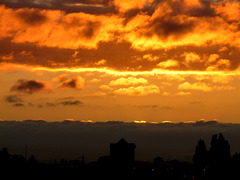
(83, 150)
(73, 139)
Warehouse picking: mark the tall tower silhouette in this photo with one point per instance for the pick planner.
(122, 155)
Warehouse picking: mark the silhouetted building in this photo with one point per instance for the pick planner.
(122, 155)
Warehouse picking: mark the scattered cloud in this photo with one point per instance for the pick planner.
(212, 58)
(30, 86)
(67, 101)
(95, 80)
(203, 87)
(150, 57)
(191, 57)
(101, 62)
(60, 78)
(138, 90)
(168, 64)
(195, 86)
(222, 79)
(97, 94)
(7, 57)
(19, 105)
(13, 99)
(74, 83)
(171, 77)
(105, 88)
(222, 64)
(224, 87)
(70, 102)
(128, 81)
(223, 49)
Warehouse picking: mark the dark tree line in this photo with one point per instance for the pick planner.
(216, 162)
(213, 163)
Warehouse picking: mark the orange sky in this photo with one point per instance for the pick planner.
(118, 60)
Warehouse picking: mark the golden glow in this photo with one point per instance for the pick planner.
(168, 64)
(138, 90)
(125, 5)
(128, 81)
(55, 28)
(167, 122)
(9, 67)
(69, 119)
(87, 121)
(140, 122)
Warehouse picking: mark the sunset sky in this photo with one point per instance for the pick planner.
(120, 60)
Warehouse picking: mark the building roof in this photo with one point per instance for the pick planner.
(122, 141)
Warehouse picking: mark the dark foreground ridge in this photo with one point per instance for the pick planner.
(215, 163)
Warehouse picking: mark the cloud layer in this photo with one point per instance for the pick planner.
(122, 35)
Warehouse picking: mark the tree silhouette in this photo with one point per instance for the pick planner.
(200, 156)
(219, 151)
(219, 158)
(4, 158)
(200, 159)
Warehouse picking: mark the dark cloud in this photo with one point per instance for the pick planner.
(47, 104)
(170, 27)
(179, 7)
(28, 86)
(67, 101)
(170, 24)
(40, 106)
(90, 28)
(75, 83)
(31, 17)
(19, 105)
(30, 104)
(146, 106)
(13, 99)
(86, 6)
(154, 106)
(106, 6)
(27, 53)
(71, 83)
(71, 103)
(205, 11)
(39, 56)
(67, 139)
(50, 104)
(16, 100)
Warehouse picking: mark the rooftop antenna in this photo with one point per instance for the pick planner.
(83, 159)
(26, 152)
